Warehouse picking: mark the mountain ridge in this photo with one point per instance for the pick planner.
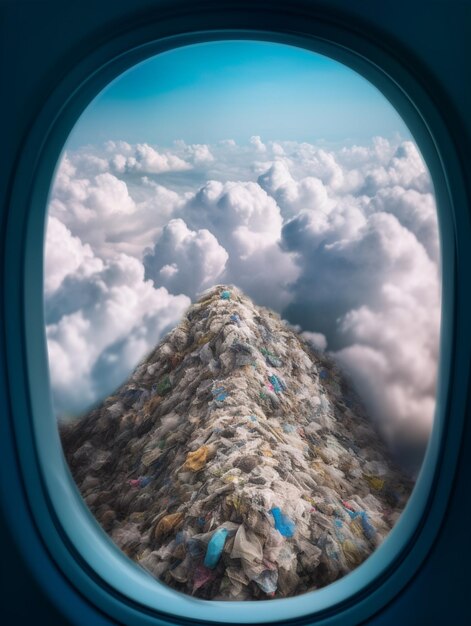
(237, 462)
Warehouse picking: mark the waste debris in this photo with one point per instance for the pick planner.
(237, 462)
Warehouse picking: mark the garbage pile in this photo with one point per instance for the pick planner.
(237, 463)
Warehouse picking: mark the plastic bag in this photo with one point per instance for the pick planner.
(283, 523)
(167, 524)
(267, 580)
(247, 546)
(195, 461)
(215, 548)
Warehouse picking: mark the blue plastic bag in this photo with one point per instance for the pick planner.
(215, 548)
(368, 530)
(219, 394)
(278, 385)
(283, 523)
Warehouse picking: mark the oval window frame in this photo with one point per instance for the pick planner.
(53, 499)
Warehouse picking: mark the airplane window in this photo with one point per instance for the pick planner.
(242, 291)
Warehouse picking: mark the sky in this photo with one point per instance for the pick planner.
(261, 165)
(241, 87)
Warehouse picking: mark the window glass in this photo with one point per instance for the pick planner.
(242, 297)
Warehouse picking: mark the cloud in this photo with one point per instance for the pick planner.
(293, 196)
(416, 211)
(91, 164)
(317, 340)
(310, 160)
(340, 241)
(65, 255)
(247, 222)
(232, 205)
(197, 153)
(185, 261)
(79, 201)
(379, 152)
(365, 238)
(111, 316)
(392, 361)
(405, 169)
(375, 295)
(108, 213)
(256, 141)
(113, 147)
(147, 160)
(227, 143)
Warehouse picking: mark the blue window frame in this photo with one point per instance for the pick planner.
(71, 537)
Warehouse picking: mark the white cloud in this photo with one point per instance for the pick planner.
(109, 196)
(201, 153)
(416, 211)
(343, 242)
(123, 147)
(65, 255)
(317, 340)
(113, 311)
(148, 160)
(247, 222)
(78, 201)
(318, 162)
(275, 177)
(101, 211)
(293, 196)
(378, 153)
(197, 153)
(227, 207)
(375, 294)
(405, 169)
(185, 261)
(257, 142)
(227, 143)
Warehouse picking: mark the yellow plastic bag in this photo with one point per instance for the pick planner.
(352, 554)
(167, 524)
(195, 461)
(374, 481)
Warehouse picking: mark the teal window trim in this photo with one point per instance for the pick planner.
(87, 558)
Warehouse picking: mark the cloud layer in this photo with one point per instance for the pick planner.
(342, 242)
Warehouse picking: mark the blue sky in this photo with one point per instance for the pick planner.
(235, 89)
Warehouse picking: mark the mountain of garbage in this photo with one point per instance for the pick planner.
(237, 463)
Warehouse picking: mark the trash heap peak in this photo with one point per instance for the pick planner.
(237, 463)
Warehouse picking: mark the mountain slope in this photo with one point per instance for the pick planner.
(236, 462)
